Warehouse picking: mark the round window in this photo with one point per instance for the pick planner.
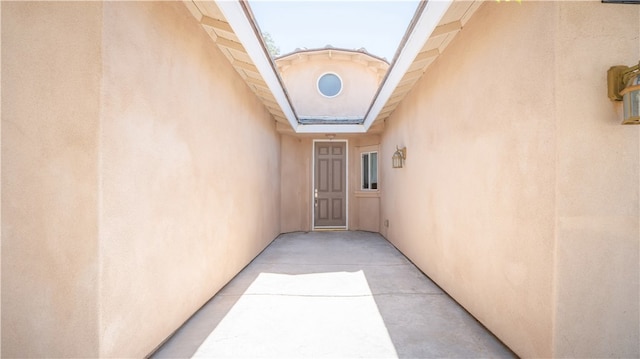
(329, 85)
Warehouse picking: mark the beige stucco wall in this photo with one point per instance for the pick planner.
(297, 183)
(597, 186)
(359, 83)
(364, 205)
(139, 172)
(520, 192)
(50, 122)
(190, 174)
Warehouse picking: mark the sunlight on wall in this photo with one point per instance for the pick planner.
(319, 315)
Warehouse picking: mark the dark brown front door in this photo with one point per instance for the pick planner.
(330, 194)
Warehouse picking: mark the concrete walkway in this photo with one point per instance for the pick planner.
(332, 294)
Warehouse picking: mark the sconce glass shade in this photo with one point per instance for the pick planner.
(398, 157)
(631, 101)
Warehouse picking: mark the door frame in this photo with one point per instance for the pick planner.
(313, 186)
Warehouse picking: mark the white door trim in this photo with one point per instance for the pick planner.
(313, 186)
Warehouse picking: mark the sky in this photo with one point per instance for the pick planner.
(378, 26)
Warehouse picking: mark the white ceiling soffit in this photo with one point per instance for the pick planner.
(232, 29)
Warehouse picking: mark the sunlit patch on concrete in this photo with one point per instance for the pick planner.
(307, 315)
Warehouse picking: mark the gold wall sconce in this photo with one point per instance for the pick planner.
(399, 156)
(623, 84)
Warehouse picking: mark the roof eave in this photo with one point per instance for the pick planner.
(426, 23)
(243, 28)
(434, 25)
(333, 128)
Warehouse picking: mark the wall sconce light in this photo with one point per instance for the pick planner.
(623, 84)
(399, 156)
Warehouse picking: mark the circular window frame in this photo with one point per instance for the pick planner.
(329, 73)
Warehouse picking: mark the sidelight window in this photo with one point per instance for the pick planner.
(369, 171)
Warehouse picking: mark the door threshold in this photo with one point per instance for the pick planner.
(330, 228)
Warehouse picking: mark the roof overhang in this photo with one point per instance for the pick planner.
(428, 16)
(245, 28)
(231, 25)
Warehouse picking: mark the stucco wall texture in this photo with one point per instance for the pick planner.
(140, 174)
(521, 189)
(50, 123)
(359, 85)
(190, 174)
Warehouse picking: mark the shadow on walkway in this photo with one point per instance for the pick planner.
(332, 294)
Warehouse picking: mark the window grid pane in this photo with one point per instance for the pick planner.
(369, 174)
(374, 170)
(365, 171)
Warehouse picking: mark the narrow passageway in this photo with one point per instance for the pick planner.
(332, 294)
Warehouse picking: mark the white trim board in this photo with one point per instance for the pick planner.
(313, 186)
